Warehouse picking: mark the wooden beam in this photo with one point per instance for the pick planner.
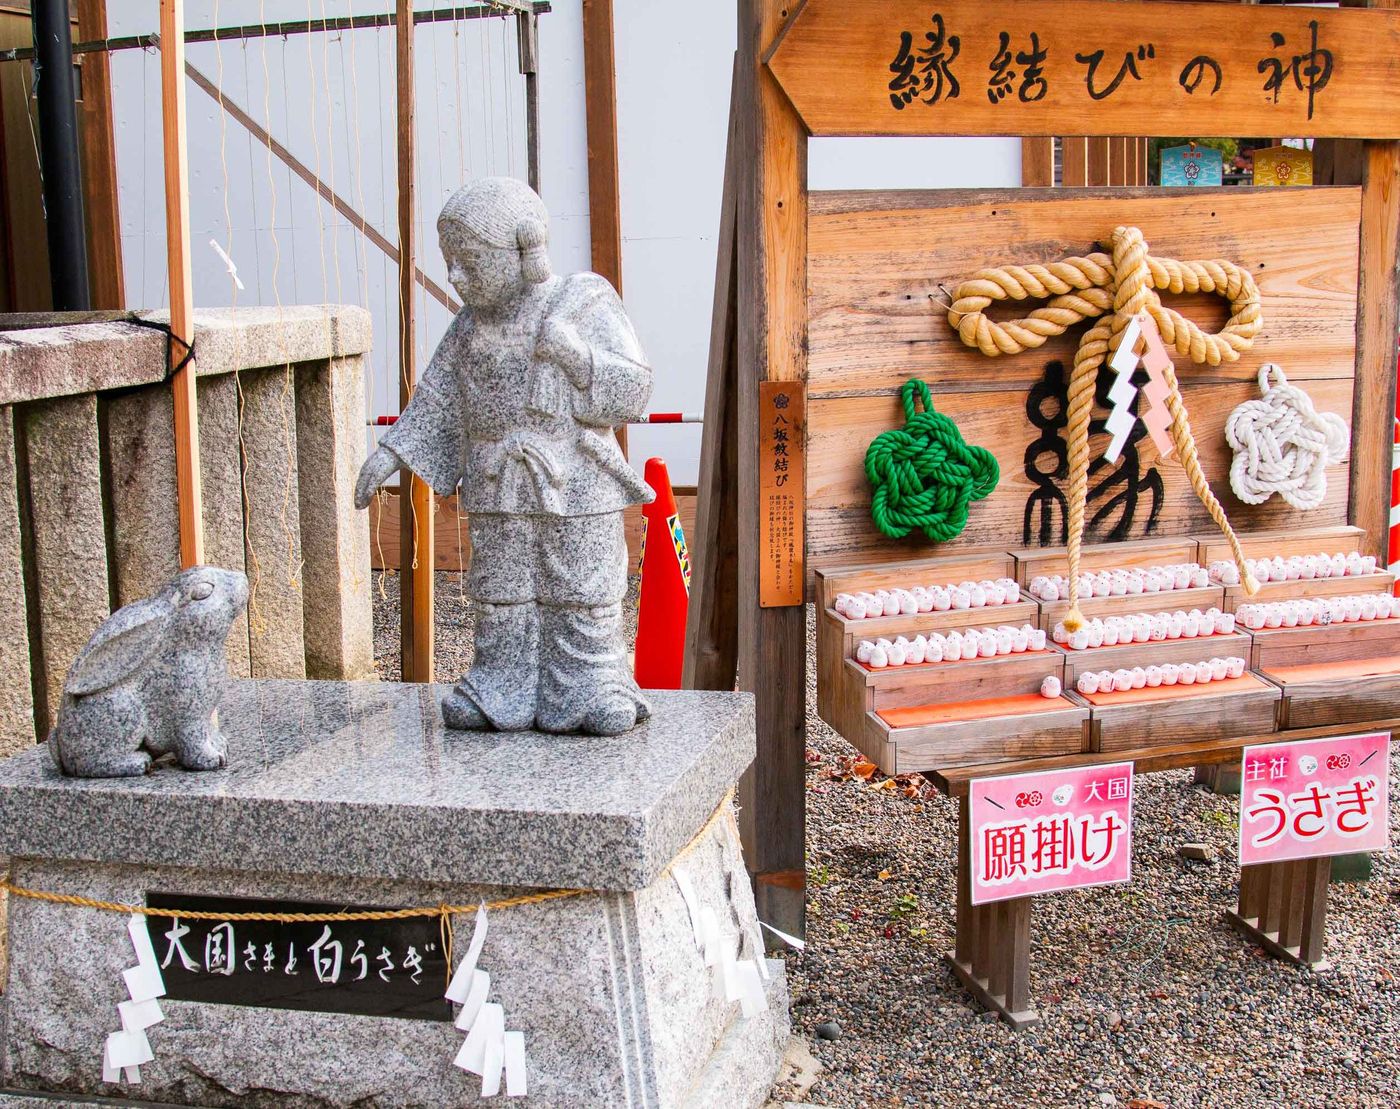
(600, 125)
(99, 152)
(1097, 160)
(527, 38)
(772, 289)
(1074, 161)
(1038, 163)
(712, 625)
(600, 119)
(1377, 321)
(492, 9)
(416, 530)
(177, 246)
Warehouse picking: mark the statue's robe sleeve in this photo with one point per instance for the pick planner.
(619, 381)
(430, 436)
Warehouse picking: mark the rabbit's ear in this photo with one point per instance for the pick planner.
(123, 642)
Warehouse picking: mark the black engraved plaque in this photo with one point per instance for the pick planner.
(379, 968)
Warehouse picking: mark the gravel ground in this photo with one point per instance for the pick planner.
(1147, 996)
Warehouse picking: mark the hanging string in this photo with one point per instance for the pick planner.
(330, 145)
(489, 88)
(145, 161)
(252, 182)
(510, 32)
(461, 106)
(316, 148)
(357, 169)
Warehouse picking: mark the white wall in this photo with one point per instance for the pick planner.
(330, 100)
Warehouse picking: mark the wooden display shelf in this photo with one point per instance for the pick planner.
(954, 619)
(850, 695)
(904, 718)
(1128, 655)
(1380, 582)
(907, 718)
(1332, 693)
(1034, 561)
(1203, 597)
(1179, 713)
(917, 738)
(1332, 643)
(1337, 674)
(1285, 544)
(939, 683)
(870, 576)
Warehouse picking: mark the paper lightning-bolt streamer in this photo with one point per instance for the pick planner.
(125, 1051)
(489, 1050)
(1155, 359)
(1120, 417)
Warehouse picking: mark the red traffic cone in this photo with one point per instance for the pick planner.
(665, 596)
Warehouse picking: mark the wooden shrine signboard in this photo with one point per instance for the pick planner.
(964, 67)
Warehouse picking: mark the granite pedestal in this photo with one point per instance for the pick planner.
(354, 794)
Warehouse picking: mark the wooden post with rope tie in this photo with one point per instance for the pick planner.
(1112, 290)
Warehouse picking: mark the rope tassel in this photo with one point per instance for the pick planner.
(1112, 291)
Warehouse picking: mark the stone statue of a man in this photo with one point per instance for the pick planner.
(517, 407)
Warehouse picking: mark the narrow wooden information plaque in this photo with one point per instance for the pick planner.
(782, 461)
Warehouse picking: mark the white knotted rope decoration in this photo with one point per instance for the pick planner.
(1283, 444)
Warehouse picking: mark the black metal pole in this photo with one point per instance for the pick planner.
(58, 155)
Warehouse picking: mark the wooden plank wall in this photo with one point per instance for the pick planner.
(876, 260)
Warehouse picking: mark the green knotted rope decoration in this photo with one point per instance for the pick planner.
(924, 475)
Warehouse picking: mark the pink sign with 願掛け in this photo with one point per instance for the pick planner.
(1050, 830)
(1314, 797)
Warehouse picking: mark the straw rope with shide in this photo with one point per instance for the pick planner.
(443, 911)
(1111, 290)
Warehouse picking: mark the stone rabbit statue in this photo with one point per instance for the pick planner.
(150, 680)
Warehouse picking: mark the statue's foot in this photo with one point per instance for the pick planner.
(460, 713)
(613, 716)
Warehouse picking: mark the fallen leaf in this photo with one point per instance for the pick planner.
(863, 768)
(1145, 1103)
(888, 783)
(884, 875)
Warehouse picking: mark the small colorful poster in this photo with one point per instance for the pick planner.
(1314, 797)
(1050, 830)
(1283, 166)
(1191, 165)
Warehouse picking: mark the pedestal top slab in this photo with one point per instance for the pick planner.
(361, 779)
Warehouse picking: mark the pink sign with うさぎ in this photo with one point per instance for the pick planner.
(1314, 797)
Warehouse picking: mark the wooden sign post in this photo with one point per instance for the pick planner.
(177, 245)
(415, 498)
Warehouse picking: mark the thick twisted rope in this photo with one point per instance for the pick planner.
(1111, 291)
(925, 475)
(1283, 444)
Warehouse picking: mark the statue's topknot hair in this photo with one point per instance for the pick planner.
(503, 212)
